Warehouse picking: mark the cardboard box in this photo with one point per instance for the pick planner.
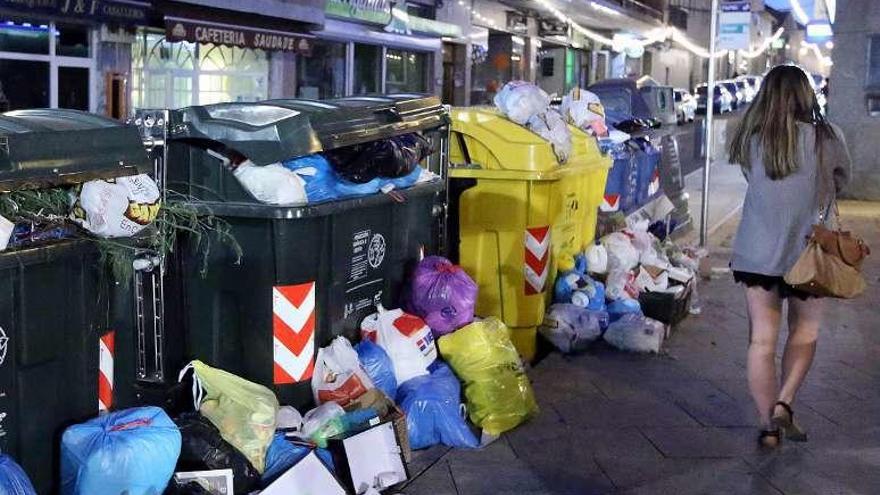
(370, 458)
(216, 481)
(307, 477)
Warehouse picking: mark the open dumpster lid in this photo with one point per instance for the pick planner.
(50, 147)
(622, 99)
(276, 130)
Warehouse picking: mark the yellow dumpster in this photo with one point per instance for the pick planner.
(523, 215)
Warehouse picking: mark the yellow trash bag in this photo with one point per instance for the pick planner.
(496, 388)
(243, 411)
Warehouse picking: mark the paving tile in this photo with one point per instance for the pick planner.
(425, 458)
(733, 477)
(700, 442)
(478, 478)
(622, 413)
(626, 472)
(437, 481)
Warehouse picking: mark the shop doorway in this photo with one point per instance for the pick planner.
(454, 60)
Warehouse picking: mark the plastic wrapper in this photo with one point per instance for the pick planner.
(243, 411)
(647, 281)
(406, 338)
(520, 100)
(498, 393)
(443, 294)
(119, 207)
(338, 375)
(378, 366)
(394, 157)
(271, 184)
(551, 126)
(323, 422)
(283, 454)
(597, 259)
(636, 333)
(132, 451)
(621, 252)
(432, 404)
(13, 480)
(620, 284)
(570, 328)
(203, 448)
(288, 419)
(584, 110)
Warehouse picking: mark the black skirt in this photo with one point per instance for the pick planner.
(770, 283)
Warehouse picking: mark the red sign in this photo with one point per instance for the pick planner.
(242, 37)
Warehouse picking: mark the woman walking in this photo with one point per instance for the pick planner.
(795, 162)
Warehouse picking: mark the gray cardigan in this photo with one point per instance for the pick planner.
(778, 214)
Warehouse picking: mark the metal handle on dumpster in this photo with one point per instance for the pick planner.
(150, 311)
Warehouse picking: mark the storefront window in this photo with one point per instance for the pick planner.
(24, 37)
(503, 59)
(41, 70)
(181, 74)
(72, 41)
(23, 84)
(321, 75)
(406, 72)
(367, 69)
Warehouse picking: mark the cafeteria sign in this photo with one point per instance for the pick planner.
(242, 37)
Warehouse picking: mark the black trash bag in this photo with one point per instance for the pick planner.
(391, 158)
(202, 448)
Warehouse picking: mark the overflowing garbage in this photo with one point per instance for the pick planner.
(628, 288)
(528, 105)
(395, 391)
(343, 173)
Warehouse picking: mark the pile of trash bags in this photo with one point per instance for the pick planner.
(619, 288)
(435, 373)
(360, 170)
(528, 105)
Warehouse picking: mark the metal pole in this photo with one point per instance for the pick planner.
(710, 111)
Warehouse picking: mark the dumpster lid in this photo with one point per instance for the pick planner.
(622, 100)
(51, 147)
(276, 130)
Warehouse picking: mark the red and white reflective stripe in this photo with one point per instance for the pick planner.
(610, 203)
(654, 186)
(537, 256)
(293, 333)
(106, 353)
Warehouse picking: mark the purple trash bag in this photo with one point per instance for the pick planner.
(443, 294)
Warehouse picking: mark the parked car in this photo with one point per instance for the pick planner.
(739, 99)
(685, 105)
(722, 101)
(746, 89)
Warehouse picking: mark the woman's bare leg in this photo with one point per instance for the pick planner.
(804, 319)
(765, 314)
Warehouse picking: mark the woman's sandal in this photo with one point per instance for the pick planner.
(770, 439)
(785, 422)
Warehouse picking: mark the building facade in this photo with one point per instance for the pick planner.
(854, 91)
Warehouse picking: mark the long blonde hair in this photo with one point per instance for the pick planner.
(786, 98)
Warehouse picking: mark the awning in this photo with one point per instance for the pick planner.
(196, 31)
(124, 12)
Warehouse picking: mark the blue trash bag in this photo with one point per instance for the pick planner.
(133, 451)
(13, 480)
(378, 366)
(283, 454)
(319, 177)
(622, 307)
(407, 180)
(597, 302)
(432, 404)
(603, 317)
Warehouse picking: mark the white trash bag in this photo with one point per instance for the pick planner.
(520, 100)
(621, 252)
(551, 126)
(636, 333)
(570, 328)
(338, 375)
(119, 207)
(406, 339)
(597, 259)
(585, 111)
(272, 184)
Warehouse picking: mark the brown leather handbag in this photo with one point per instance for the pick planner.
(831, 264)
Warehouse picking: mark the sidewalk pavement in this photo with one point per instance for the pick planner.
(682, 422)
